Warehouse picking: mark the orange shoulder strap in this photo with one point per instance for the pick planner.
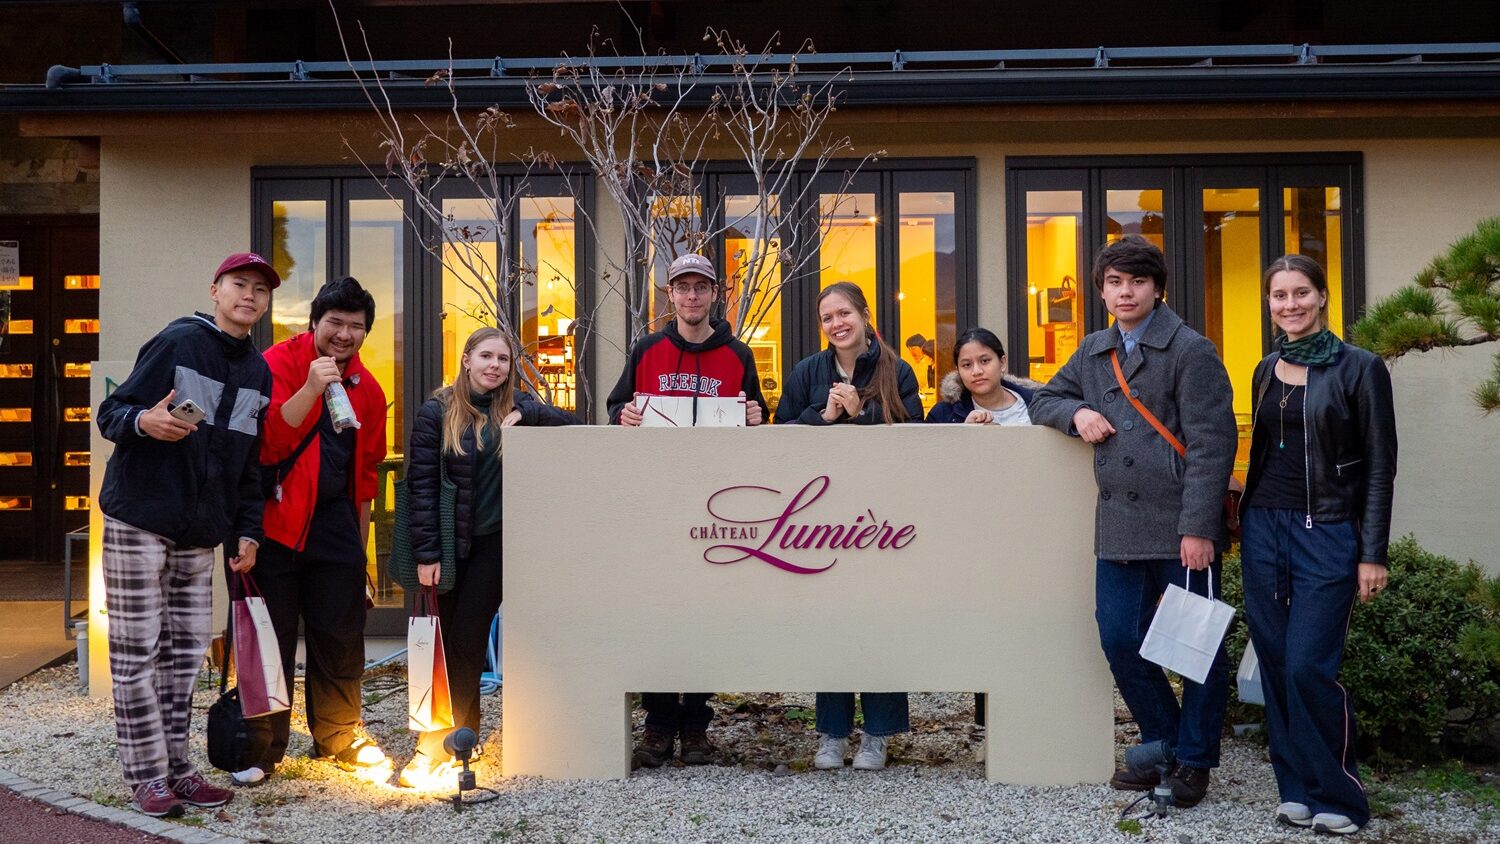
(1114, 359)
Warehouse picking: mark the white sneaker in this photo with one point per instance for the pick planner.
(248, 778)
(831, 753)
(1328, 822)
(1294, 814)
(425, 774)
(979, 751)
(871, 755)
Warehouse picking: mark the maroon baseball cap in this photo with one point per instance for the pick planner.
(243, 260)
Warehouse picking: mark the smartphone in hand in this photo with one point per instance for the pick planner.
(188, 411)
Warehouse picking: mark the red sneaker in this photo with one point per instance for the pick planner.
(194, 790)
(155, 799)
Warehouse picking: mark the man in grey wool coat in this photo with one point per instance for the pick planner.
(1159, 517)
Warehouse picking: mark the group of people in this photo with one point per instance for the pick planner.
(268, 474)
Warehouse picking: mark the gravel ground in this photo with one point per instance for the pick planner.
(933, 791)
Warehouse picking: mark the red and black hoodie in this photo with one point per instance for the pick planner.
(664, 364)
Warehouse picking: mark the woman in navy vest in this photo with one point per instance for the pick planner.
(857, 380)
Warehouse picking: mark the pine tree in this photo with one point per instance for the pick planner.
(1454, 301)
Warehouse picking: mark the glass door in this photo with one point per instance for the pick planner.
(929, 243)
(49, 341)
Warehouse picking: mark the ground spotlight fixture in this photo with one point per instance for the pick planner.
(460, 744)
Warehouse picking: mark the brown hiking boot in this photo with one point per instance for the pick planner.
(1126, 779)
(696, 749)
(1189, 785)
(655, 749)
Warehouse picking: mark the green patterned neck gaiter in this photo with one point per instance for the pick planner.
(1319, 349)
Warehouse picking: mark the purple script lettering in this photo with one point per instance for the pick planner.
(785, 535)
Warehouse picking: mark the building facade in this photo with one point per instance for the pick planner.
(1000, 175)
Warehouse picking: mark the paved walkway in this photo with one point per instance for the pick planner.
(31, 638)
(36, 813)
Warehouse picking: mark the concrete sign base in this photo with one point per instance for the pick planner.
(915, 558)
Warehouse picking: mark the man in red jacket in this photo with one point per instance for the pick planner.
(694, 355)
(319, 483)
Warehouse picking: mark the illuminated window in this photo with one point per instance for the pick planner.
(15, 458)
(1312, 220)
(548, 275)
(81, 282)
(1054, 292)
(299, 252)
(76, 502)
(75, 458)
(20, 326)
(15, 370)
(81, 326)
(377, 233)
(15, 502)
(847, 251)
(678, 220)
(76, 414)
(74, 370)
(22, 283)
(752, 284)
(1231, 286)
(15, 414)
(928, 245)
(471, 276)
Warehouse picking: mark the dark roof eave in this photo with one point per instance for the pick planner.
(869, 88)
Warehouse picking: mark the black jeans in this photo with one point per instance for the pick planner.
(328, 595)
(665, 713)
(466, 612)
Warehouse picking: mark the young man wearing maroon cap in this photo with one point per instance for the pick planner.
(183, 479)
(694, 355)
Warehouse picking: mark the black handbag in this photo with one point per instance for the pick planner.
(228, 737)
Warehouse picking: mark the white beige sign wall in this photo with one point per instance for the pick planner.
(907, 558)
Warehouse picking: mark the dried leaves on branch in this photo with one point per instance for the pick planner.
(647, 129)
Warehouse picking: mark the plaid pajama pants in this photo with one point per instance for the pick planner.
(159, 599)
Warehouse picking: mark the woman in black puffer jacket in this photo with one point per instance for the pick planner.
(461, 425)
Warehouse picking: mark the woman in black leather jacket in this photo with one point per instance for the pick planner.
(461, 426)
(1316, 521)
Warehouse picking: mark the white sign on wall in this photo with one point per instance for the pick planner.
(10, 264)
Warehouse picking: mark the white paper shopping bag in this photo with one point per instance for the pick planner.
(1248, 677)
(1187, 631)
(429, 705)
(257, 655)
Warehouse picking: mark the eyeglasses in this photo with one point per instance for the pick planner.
(701, 288)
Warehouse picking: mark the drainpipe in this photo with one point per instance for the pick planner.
(132, 12)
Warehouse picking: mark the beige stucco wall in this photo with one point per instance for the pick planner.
(175, 198)
(1449, 466)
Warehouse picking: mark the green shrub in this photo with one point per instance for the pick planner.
(1428, 646)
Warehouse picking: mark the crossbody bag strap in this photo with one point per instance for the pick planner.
(286, 465)
(1114, 359)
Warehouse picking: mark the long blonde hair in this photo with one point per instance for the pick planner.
(459, 411)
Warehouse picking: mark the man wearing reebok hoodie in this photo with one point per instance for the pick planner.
(695, 355)
(173, 491)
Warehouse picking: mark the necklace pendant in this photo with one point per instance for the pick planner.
(1283, 404)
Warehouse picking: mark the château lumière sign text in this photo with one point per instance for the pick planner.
(801, 533)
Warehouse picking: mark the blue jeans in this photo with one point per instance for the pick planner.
(1125, 597)
(886, 713)
(1300, 585)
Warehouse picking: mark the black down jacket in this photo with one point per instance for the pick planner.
(422, 473)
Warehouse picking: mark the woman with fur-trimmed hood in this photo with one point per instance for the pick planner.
(979, 391)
